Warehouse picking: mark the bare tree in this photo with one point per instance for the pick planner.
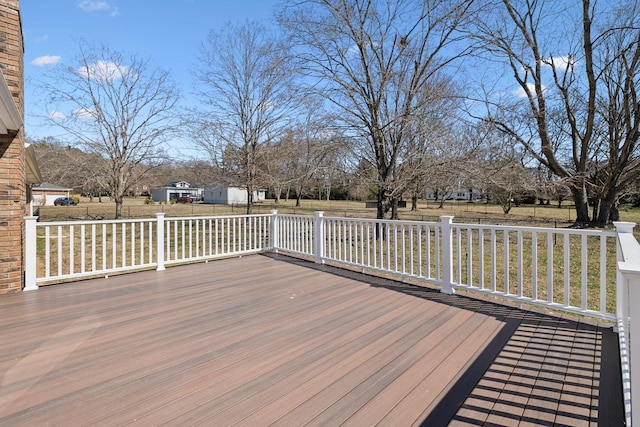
(564, 75)
(372, 60)
(246, 85)
(118, 107)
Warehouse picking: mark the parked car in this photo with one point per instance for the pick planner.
(186, 199)
(64, 201)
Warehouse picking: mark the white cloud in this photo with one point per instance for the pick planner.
(42, 38)
(561, 62)
(41, 61)
(102, 70)
(56, 115)
(520, 93)
(83, 113)
(97, 6)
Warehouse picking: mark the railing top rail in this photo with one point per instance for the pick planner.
(629, 248)
(179, 218)
(95, 221)
(588, 232)
(383, 221)
(139, 220)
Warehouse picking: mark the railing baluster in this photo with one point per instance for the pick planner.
(104, 247)
(494, 261)
(469, 257)
(550, 267)
(438, 232)
(59, 250)
(114, 246)
(458, 250)
(583, 296)
(534, 265)
(481, 258)
(411, 250)
(567, 278)
(47, 252)
(71, 250)
(520, 261)
(133, 243)
(603, 274)
(83, 237)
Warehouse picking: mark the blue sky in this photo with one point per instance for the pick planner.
(169, 32)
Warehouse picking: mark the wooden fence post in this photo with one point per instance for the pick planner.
(447, 255)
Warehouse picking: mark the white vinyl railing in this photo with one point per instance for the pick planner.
(572, 270)
(628, 293)
(587, 272)
(68, 250)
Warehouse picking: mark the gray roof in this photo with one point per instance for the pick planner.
(49, 186)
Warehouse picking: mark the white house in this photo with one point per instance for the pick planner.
(174, 190)
(468, 194)
(45, 194)
(224, 195)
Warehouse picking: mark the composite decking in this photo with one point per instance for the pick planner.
(267, 340)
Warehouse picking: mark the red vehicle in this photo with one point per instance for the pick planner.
(185, 199)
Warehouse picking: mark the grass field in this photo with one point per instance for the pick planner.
(477, 213)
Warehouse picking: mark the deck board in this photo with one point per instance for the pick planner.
(268, 340)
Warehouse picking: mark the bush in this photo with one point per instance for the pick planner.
(76, 198)
(149, 202)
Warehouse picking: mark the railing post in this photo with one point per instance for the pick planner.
(627, 296)
(447, 254)
(160, 243)
(30, 253)
(273, 231)
(319, 238)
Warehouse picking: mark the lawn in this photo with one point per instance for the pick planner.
(475, 213)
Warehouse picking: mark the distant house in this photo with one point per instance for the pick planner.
(174, 190)
(468, 194)
(225, 195)
(46, 193)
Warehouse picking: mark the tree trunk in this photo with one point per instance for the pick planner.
(298, 197)
(249, 200)
(394, 209)
(607, 210)
(118, 201)
(381, 208)
(581, 205)
(414, 203)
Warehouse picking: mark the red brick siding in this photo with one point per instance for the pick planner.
(13, 194)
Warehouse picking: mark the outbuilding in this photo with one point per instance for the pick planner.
(226, 195)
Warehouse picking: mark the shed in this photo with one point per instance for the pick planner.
(225, 195)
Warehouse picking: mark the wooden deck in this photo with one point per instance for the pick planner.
(267, 340)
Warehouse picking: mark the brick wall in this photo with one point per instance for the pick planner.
(13, 203)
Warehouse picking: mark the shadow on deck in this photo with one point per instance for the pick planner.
(542, 368)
